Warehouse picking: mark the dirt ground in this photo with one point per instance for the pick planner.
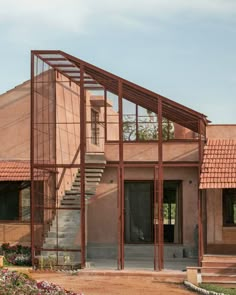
(112, 285)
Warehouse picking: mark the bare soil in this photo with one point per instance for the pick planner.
(112, 285)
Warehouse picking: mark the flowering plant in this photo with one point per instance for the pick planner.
(14, 283)
(17, 254)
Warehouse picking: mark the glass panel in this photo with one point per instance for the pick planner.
(25, 204)
(167, 129)
(101, 224)
(171, 212)
(112, 99)
(129, 108)
(9, 208)
(229, 207)
(129, 129)
(112, 117)
(138, 212)
(147, 131)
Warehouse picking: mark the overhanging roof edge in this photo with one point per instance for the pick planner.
(164, 99)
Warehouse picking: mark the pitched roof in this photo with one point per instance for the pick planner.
(96, 78)
(219, 164)
(19, 170)
(14, 170)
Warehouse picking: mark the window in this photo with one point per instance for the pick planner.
(229, 207)
(15, 201)
(140, 124)
(94, 127)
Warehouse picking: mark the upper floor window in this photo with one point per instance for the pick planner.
(229, 207)
(140, 124)
(94, 127)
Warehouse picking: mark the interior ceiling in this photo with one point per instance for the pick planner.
(95, 78)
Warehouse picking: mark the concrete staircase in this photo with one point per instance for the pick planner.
(64, 232)
(220, 269)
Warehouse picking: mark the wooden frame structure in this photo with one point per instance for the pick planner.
(91, 78)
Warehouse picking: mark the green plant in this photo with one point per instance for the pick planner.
(52, 261)
(16, 254)
(6, 262)
(41, 262)
(218, 289)
(47, 262)
(15, 283)
(66, 259)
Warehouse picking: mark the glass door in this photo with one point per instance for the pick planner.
(172, 213)
(138, 212)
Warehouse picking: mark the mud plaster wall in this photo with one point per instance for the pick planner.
(103, 212)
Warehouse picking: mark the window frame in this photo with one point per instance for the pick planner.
(17, 191)
(94, 127)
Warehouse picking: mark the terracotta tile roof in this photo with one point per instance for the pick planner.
(14, 170)
(219, 164)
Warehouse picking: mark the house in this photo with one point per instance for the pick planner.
(119, 174)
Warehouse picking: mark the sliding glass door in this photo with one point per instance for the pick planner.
(139, 212)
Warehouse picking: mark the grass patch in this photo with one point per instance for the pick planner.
(218, 289)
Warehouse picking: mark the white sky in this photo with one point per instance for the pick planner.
(183, 49)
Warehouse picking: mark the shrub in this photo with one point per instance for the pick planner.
(17, 254)
(15, 283)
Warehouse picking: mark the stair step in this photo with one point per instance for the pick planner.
(62, 242)
(87, 185)
(219, 258)
(60, 234)
(89, 180)
(74, 206)
(88, 188)
(65, 223)
(95, 158)
(71, 192)
(87, 191)
(66, 217)
(90, 174)
(218, 264)
(217, 278)
(70, 203)
(71, 198)
(64, 229)
(93, 170)
(218, 270)
(60, 248)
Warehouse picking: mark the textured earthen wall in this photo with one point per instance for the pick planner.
(102, 211)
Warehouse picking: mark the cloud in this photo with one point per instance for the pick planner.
(33, 18)
(72, 14)
(54, 14)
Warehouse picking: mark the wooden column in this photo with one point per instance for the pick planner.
(82, 165)
(160, 189)
(121, 181)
